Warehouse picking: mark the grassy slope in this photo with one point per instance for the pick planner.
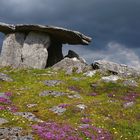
(121, 122)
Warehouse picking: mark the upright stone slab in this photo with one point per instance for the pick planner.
(54, 53)
(34, 52)
(11, 50)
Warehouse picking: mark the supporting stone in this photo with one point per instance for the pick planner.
(54, 53)
(34, 52)
(11, 50)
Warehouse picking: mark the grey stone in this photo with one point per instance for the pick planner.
(3, 121)
(11, 50)
(111, 78)
(5, 77)
(128, 104)
(72, 54)
(28, 115)
(78, 96)
(13, 133)
(130, 82)
(81, 106)
(90, 73)
(71, 65)
(52, 83)
(52, 93)
(31, 105)
(58, 110)
(34, 51)
(114, 68)
(3, 95)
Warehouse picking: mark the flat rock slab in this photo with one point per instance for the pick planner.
(52, 93)
(63, 35)
(3, 121)
(130, 82)
(58, 110)
(114, 68)
(13, 133)
(28, 115)
(5, 77)
(52, 83)
(111, 78)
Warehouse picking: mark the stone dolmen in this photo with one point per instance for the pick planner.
(36, 46)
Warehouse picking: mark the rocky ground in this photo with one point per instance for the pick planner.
(74, 105)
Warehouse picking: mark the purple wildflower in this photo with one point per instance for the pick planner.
(8, 94)
(4, 100)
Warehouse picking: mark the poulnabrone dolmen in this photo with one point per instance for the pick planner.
(36, 46)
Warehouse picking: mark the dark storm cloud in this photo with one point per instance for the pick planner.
(104, 20)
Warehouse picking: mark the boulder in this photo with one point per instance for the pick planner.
(114, 68)
(71, 65)
(72, 54)
(11, 50)
(34, 51)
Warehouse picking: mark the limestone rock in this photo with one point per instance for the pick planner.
(58, 110)
(28, 115)
(72, 54)
(34, 52)
(5, 77)
(52, 83)
(81, 106)
(90, 73)
(111, 78)
(65, 36)
(13, 133)
(52, 93)
(11, 50)
(3, 121)
(128, 104)
(114, 68)
(71, 65)
(130, 82)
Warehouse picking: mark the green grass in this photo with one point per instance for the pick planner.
(105, 112)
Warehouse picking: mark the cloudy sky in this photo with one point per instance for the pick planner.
(114, 25)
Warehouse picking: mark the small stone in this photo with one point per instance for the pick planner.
(31, 105)
(128, 104)
(111, 78)
(5, 77)
(78, 96)
(90, 73)
(130, 82)
(58, 110)
(52, 93)
(52, 83)
(3, 95)
(3, 121)
(29, 116)
(76, 79)
(83, 125)
(81, 106)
